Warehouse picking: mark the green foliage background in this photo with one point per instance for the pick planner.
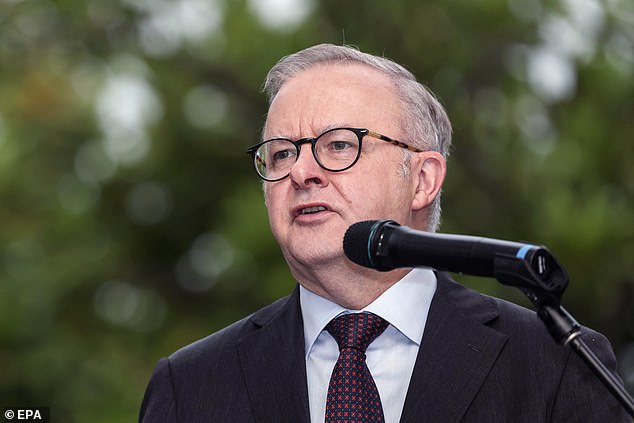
(131, 220)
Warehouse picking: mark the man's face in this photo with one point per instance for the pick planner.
(310, 210)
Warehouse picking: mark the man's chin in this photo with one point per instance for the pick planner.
(311, 258)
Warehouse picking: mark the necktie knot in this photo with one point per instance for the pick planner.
(356, 330)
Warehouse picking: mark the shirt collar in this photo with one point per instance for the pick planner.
(411, 296)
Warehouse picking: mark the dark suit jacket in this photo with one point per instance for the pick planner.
(481, 360)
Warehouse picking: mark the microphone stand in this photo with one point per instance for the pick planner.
(543, 281)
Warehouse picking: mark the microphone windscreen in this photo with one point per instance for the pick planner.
(356, 240)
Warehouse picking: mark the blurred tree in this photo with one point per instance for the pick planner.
(133, 223)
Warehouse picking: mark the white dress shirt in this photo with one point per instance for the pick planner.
(390, 357)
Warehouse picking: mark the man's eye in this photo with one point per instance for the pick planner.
(340, 145)
(283, 154)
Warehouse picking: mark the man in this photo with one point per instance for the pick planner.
(352, 137)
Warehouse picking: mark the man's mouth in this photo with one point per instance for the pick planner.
(311, 210)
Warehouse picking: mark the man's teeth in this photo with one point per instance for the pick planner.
(316, 209)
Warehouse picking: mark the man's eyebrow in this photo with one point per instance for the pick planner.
(335, 126)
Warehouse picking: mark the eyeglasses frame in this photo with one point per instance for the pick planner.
(360, 132)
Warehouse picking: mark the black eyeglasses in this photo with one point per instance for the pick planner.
(335, 150)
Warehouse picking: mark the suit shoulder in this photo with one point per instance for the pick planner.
(220, 342)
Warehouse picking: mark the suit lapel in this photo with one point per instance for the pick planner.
(273, 366)
(456, 354)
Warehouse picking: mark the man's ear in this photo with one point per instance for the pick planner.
(431, 168)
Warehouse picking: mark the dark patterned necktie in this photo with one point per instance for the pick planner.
(352, 394)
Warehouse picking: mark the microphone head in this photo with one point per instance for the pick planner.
(367, 243)
(356, 242)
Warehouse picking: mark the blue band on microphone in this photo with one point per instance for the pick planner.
(370, 242)
(521, 253)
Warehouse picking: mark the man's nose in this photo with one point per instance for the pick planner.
(306, 171)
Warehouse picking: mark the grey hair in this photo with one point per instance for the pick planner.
(424, 118)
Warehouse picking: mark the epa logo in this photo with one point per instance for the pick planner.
(38, 414)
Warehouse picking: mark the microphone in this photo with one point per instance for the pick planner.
(385, 245)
